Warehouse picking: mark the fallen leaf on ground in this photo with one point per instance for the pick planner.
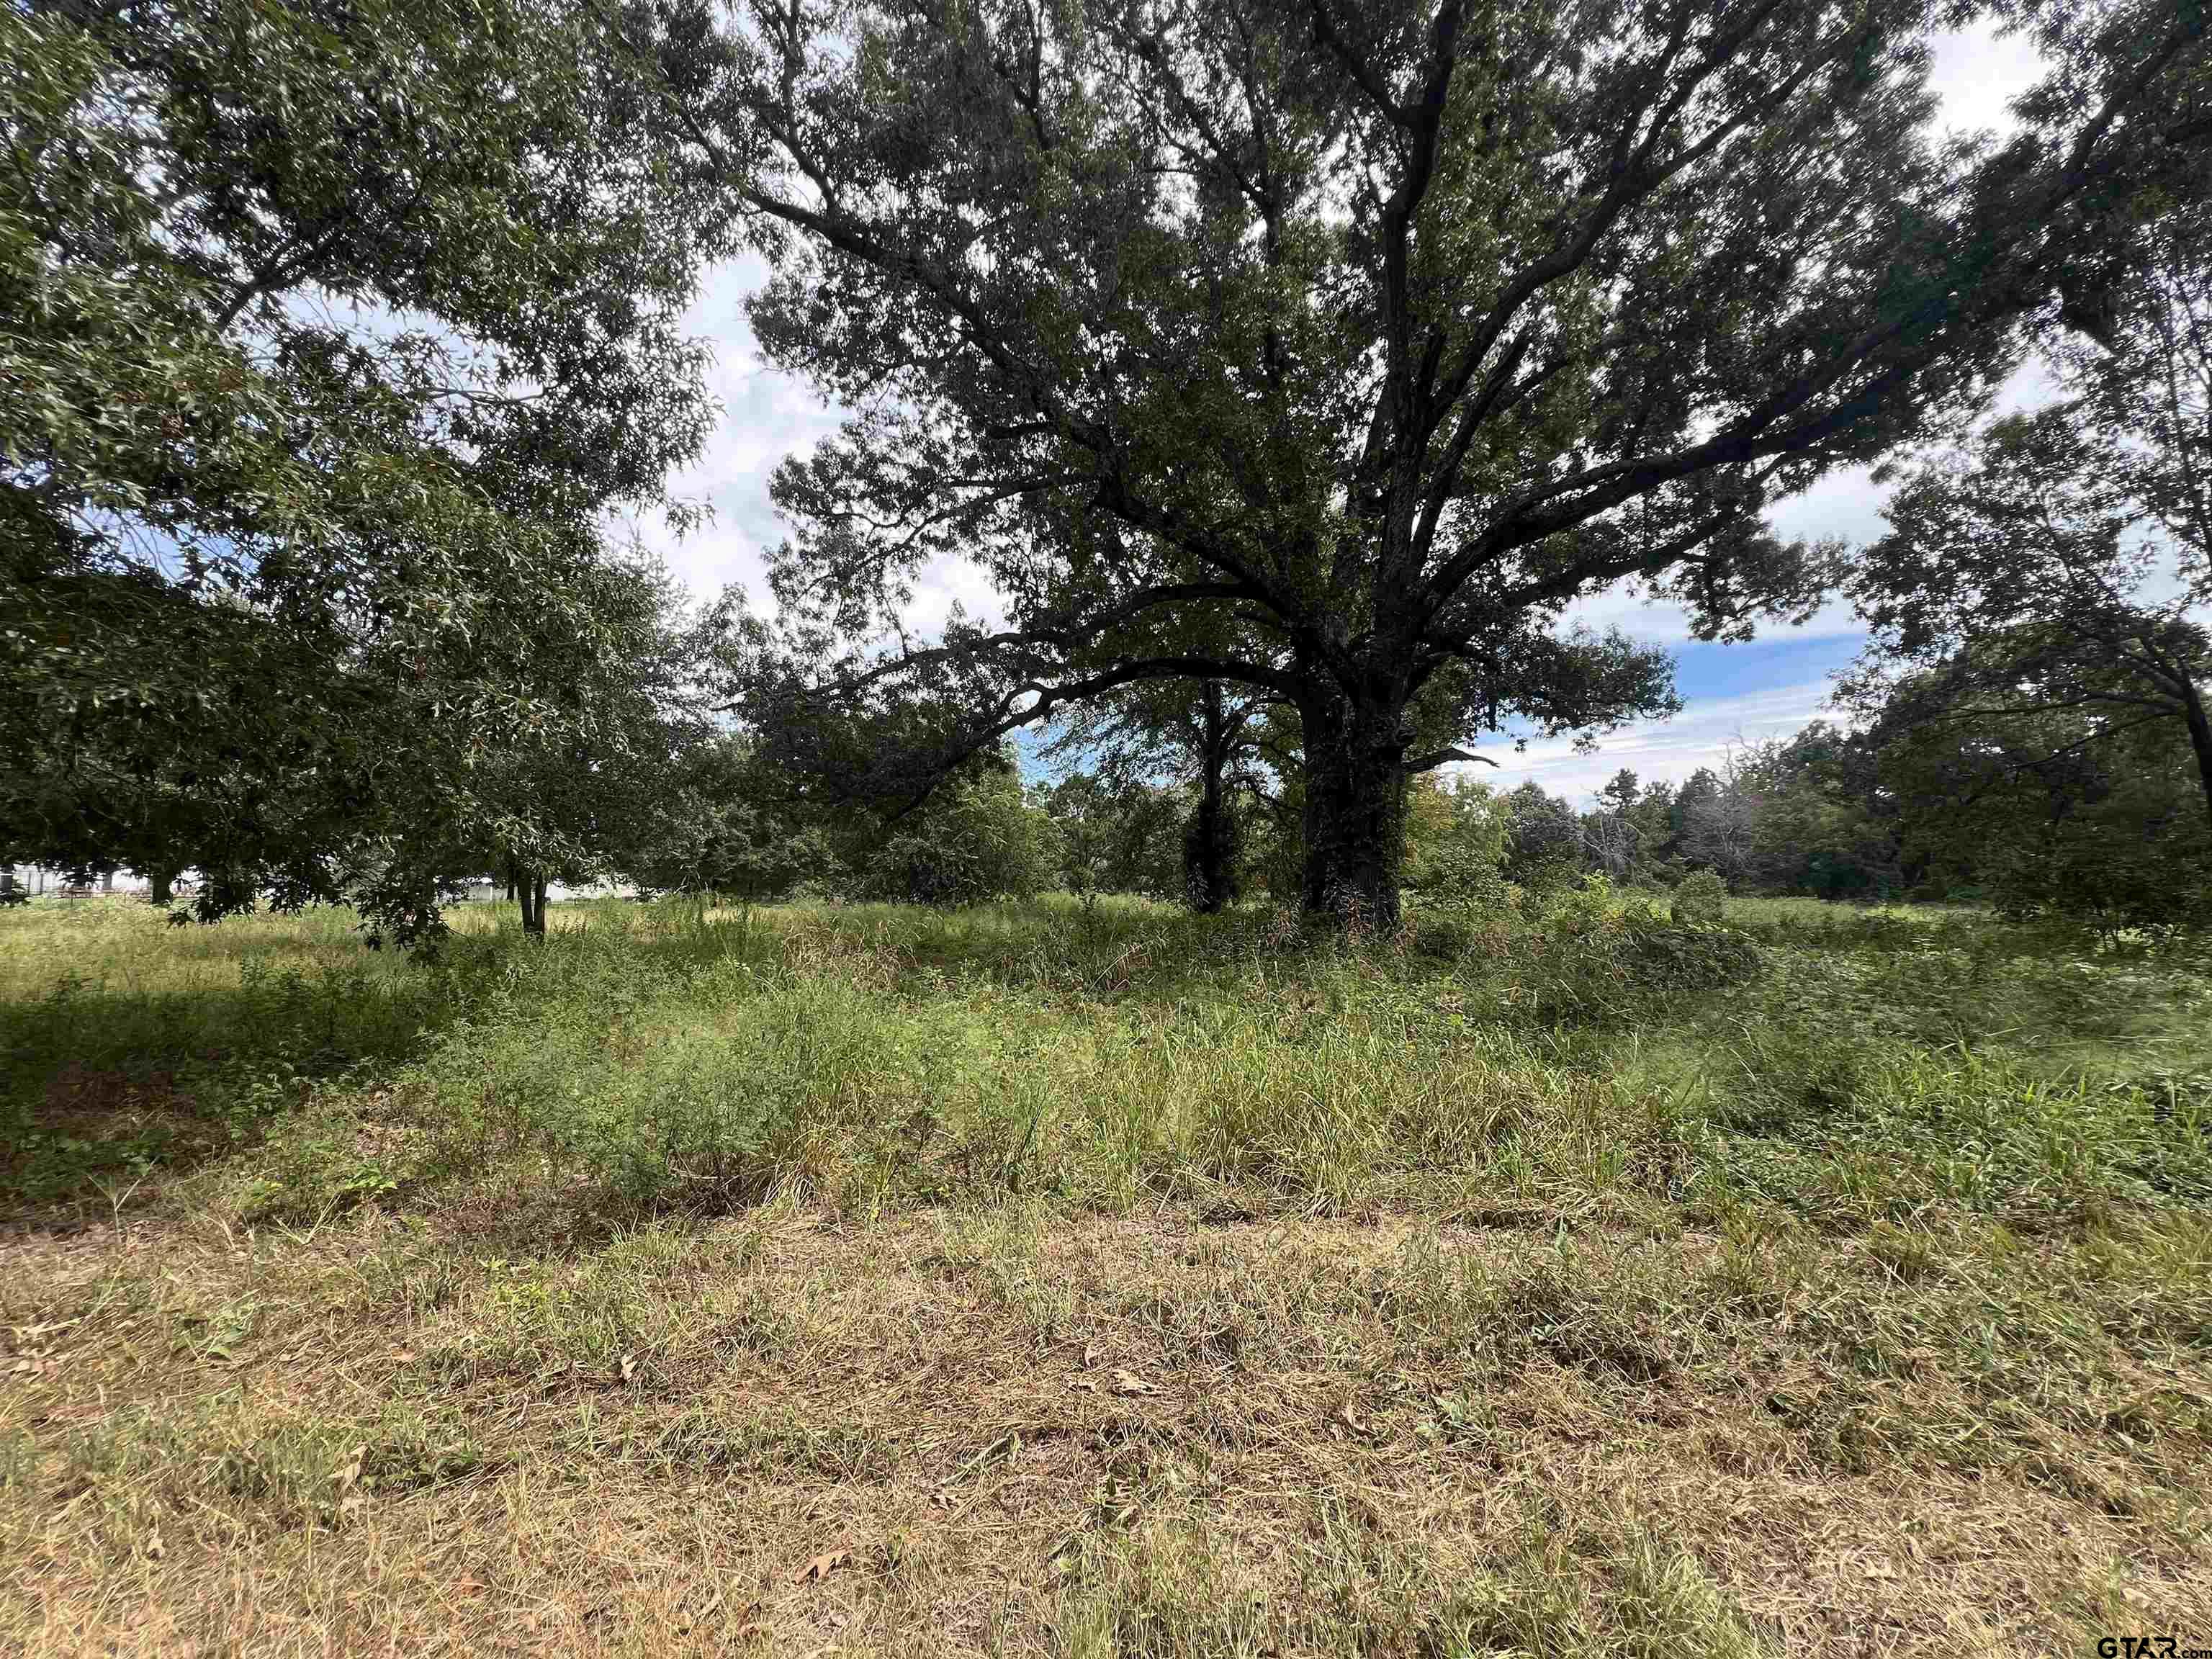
(822, 1565)
(1127, 1382)
(699, 1616)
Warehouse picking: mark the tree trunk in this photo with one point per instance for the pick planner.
(1355, 810)
(1209, 840)
(529, 888)
(107, 881)
(2200, 734)
(1209, 856)
(7, 879)
(161, 886)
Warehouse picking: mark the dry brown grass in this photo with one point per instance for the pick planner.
(1019, 1431)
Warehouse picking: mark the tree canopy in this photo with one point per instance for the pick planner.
(327, 335)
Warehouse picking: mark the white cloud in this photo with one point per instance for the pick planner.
(764, 416)
(1663, 749)
(1976, 74)
(1654, 623)
(945, 582)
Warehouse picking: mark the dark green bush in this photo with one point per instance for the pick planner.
(1701, 897)
(976, 839)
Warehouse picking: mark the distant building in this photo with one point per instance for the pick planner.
(37, 880)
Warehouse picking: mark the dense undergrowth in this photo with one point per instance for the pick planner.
(1593, 1055)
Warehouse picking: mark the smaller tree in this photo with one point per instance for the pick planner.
(733, 826)
(1204, 734)
(977, 837)
(1621, 793)
(1817, 828)
(1458, 832)
(1117, 836)
(1721, 814)
(1653, 819)
(1543, 838)
(2060, 565)
(1610, 836)
(330, 334)
(2047, 814)
(604, 798)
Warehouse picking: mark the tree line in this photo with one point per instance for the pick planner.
(1288, 371)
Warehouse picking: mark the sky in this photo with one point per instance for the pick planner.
(1768, 686)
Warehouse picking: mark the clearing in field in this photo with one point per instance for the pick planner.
(1099, 1280)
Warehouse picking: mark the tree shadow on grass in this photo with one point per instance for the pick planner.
(103, 1087)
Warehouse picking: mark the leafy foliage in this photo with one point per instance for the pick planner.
(2037, 675)
(732, 826)
(2054, 816)
(1223, 743)
(977, 837)
(328, 334)
(1701, 897)
(2024, 593)
(1459, 837)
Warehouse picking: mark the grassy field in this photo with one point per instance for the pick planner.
(1098, 1280)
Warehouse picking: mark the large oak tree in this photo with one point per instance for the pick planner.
(1335, 350)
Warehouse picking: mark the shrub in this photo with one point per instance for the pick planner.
(1544, 880)
(1592, 954)
(2109, 882)
(1463, 898)
(1702, 897)
(976, 839)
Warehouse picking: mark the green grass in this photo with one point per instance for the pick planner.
(1409, 1289)
(652, 1060)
